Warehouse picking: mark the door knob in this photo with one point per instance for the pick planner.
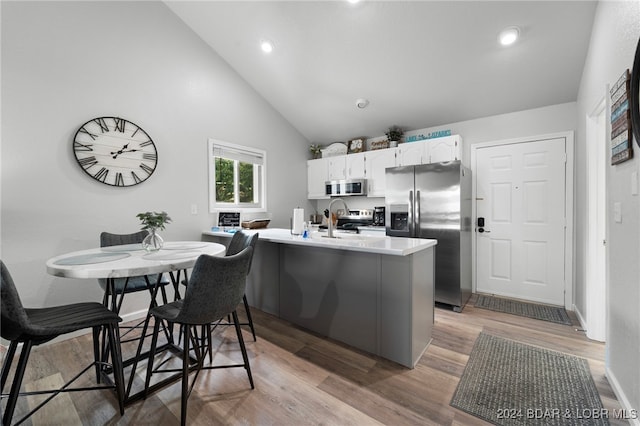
(481, 225)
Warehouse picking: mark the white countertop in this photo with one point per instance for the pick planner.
(394, 246)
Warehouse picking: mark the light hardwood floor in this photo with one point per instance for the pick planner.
(304, 379)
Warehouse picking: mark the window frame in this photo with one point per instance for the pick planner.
(259, 179)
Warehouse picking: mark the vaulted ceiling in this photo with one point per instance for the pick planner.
(418, 63)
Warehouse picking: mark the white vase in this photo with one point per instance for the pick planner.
(393, 144)
(153, 241)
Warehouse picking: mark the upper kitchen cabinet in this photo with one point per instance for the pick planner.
(317, 173)
(376, 163)
(337, 167)
(430, 151)
(412, 153)
(332, 168)
(371, 165)
(355, 166)
(445, 149)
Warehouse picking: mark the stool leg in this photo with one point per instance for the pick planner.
(138, 352)
(248, 311)
(152, 354)
(116, 363)
(245, 357)
(17, 381)
(185, 375)
(97, 353)
(210, 340)
(6, 365)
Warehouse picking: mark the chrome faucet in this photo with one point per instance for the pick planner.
(330, 225)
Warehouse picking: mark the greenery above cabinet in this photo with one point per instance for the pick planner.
(371, 165)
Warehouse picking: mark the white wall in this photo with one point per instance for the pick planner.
(64, 63)
(538, 121)
(614, 38)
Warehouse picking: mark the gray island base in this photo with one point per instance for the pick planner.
(374, 294)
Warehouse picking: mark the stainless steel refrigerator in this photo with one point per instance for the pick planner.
(434, 201)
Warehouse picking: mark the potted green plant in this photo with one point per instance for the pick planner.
(152, 221)
(316, 150)
(394, 135)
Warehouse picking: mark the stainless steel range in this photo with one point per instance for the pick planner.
(349, 221)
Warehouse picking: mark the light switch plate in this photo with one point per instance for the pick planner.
(617, 212)
(194, 209)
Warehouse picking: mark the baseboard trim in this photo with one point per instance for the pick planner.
(628, 408)
(581, 319)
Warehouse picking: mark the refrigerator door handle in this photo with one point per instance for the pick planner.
(410, 218)
(417, 221)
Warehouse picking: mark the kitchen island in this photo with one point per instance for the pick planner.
(373, 293)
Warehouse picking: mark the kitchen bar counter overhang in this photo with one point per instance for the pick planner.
(373, 293)
(392, 246)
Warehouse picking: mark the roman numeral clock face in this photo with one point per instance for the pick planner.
(115, 151)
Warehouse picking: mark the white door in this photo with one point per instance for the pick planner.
(520, 194)
(595, 275)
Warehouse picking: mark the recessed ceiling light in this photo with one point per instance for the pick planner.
(266, 46)
(362, 103)
(353, 1)
(509, 35)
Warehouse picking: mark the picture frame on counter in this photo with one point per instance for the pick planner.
(229, 219)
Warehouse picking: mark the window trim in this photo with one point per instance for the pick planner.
(261, 177)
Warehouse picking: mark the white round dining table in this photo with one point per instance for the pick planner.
(131, 260)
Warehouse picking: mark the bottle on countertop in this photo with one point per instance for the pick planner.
(305, 230)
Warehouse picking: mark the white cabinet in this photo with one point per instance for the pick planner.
(372, 164)
(317, 173)
(430, 151)
(336, 167)
(355, 166)
(445, 149)
(413, 153)
(377, 161)
(332, 168)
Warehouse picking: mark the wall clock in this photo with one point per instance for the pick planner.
(115, 151)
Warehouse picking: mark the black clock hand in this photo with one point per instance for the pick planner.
(122, 152)
(115, 154)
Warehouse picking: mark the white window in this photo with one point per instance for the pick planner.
(237, 177)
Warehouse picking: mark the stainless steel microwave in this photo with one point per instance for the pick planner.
(341, 188)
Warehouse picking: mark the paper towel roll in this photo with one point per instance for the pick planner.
(298, 220)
